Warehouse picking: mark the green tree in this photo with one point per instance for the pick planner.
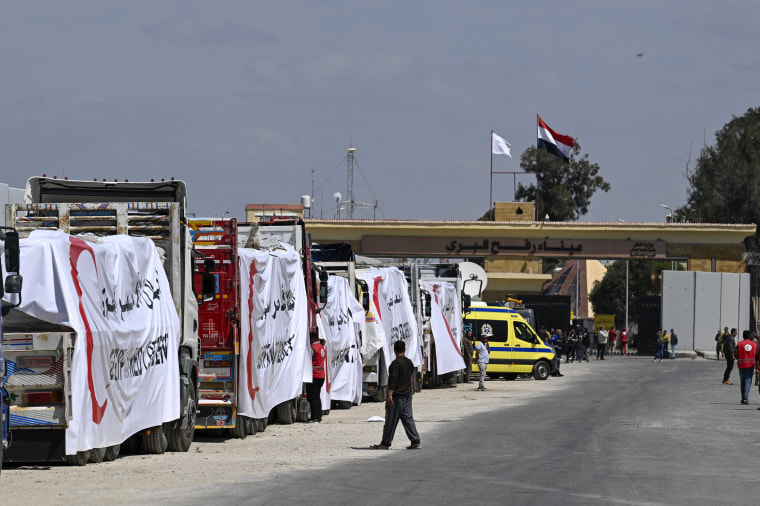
(724, 187)
(565, 188)
(644, 278)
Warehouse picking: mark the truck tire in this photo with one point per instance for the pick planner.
(541, 370)
(154, 440)
(380, 395)
(343, 404)
(510, 376)
(112, 453)
(250, 426)
(240, 430)
(79, 459)
(286, 412)
(304, 411)
(261, 424)
(180, 439)
(97, 455)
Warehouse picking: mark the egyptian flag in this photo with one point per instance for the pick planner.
(551, 141)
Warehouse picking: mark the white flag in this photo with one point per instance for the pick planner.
(500, 146)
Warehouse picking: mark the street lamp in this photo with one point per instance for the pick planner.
(670, 214)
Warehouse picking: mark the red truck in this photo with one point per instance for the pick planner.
(216, 241)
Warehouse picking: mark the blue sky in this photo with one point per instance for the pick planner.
(242, 99)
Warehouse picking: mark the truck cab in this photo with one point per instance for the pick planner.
(515, 348)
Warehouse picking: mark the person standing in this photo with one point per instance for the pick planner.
(602, 338)
(623, 341)
(729, 346)
(613, 338)
(467, 346)
(665, 343)
(314, 389)
(398, 403)
(746, 351)
(658, 343)
(556, 343)
(482, 353)
(673, 343)
(571, 345)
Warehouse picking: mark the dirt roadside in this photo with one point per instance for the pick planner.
(280, 449)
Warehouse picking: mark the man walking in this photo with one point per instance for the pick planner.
(482, 352)
(467, 346)
(314, 389)
(729, 346)
(602, 338)
(673, 343)
(745, 355)
(398, 403)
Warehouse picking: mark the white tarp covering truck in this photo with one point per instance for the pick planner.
(104, 345)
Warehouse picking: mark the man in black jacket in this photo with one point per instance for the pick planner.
(398, 404)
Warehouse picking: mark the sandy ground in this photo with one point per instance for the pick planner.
(280, 449)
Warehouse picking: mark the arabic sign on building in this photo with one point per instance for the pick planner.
(489, 246)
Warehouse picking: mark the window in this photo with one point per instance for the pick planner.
(523, 332)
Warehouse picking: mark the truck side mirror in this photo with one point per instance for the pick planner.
(13, 283)
(364, 291)
(323, 287)
(11, 251)
(428, 305)
(208, 287)
(466, 302)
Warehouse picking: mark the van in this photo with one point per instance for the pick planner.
(515, 346)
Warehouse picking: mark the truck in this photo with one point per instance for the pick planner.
(439, 306)
(267, 234)
(390, 303)
(10, 283)
(344, 363)
(216, 241)
(43, 399)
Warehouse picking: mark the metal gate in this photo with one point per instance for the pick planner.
(650, 316)
(552, 311)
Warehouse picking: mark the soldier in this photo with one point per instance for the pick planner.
(467, 346)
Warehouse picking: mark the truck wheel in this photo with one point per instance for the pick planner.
(343, 404)
(250, 426)
(79, 459)
(154, 440)
(97, 455)
(304, 411)
(240, 431)
(286, 412)
(261, 424)
(541, 370)
(510, 376)
(112, 453)
(180, 439)
(380, 395)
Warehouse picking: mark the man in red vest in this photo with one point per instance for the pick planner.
(314, 389)
(745, 355)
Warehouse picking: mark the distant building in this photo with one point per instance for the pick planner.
(576, 279)
(255, 212)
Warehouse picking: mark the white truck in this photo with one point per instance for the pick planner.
(43, 397)
(437, 297)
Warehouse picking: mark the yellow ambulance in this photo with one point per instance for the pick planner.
(515, 348)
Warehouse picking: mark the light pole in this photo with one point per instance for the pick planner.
(669, 217)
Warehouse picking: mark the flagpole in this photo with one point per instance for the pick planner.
(490, 195)
(536, 167)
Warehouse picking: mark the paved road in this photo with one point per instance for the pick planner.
(634, 432)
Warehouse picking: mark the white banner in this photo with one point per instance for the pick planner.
(274, 341)
(389, 295)
(113, 292)
(446, 325)
(340, 320)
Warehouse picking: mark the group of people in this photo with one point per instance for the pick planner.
(575, 343)
(663, 341)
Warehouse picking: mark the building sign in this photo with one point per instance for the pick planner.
(489, 246)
